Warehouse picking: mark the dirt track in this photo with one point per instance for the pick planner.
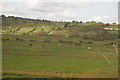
(59, 74)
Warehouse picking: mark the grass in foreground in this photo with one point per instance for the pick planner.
(48, 57)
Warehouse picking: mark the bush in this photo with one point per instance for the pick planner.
(100, 35)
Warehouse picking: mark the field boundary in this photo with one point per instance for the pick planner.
(59, 74)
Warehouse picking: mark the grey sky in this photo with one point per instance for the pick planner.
(81, 10)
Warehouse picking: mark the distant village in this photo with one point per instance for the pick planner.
(116, 29)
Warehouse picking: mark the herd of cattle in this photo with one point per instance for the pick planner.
(61, 41)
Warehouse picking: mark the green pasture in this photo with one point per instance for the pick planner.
(55, 56)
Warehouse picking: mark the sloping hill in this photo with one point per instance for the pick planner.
(23, 26)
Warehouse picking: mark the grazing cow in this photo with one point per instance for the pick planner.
(61, 41)
(5, 39)
(66, 41)
(89, 47)
(61, 72)
(112, 43)
(115, 43)
(56, 72)
(30, 44)
(17, 38)
(46, 41)
(80, 41)
(20, 39)
(59, 44)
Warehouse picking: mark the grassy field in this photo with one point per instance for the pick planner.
(46, 56)
(35, 48)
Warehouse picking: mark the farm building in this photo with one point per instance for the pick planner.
(108, 28)
(111, 29)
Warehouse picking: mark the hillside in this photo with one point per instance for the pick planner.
(88, 30)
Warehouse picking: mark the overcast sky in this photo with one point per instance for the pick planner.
(63, 10)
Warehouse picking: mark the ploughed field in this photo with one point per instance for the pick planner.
(51, 56)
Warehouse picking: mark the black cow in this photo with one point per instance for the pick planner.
(30, 44)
